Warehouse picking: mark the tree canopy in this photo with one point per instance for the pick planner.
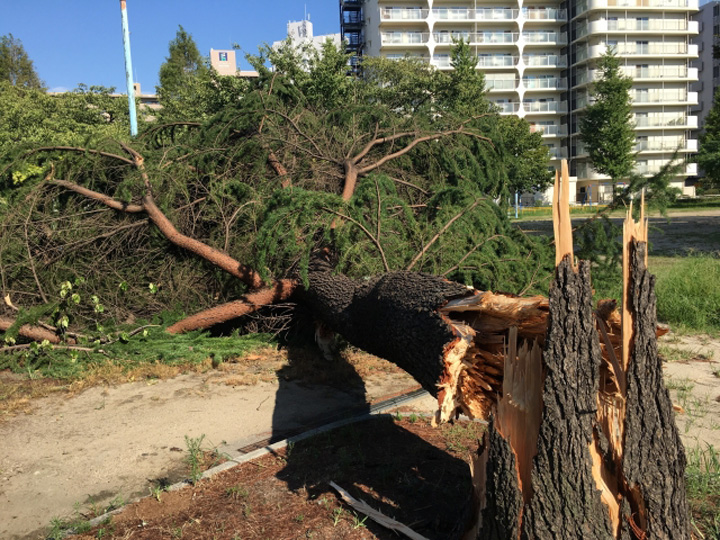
(16, 67)
(708, 156)
(385, 176)
(606, 127)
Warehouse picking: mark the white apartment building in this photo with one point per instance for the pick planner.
(301, 33)
(708, 19)
(539, 58)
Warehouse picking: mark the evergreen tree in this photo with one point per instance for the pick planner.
(464, 91)
(15, 64)
(184, 71)
(709, 155)
(606, 128)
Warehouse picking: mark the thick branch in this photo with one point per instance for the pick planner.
(364, 229)
(36, 333)
(280, 291)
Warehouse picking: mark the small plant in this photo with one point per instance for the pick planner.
(337, 514)
(237, 492)
(194, 457)
(413, 418)
(156, 491)
(357, 522)
(703, 488)
(299, 518)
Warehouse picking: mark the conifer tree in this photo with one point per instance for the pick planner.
(709, 155)
(15, 64)
(607, 129)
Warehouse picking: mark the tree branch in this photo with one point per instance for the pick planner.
(100, 197)
(367, 233)
(36, 333)
(279, 291)
(440, 232)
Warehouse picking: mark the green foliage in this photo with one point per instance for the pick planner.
(708, 156)
(527, 156)
(16, 68)
(606, 128)
(703, 488)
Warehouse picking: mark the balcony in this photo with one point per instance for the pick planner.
(647, 25)
(507, 107)
(549, 130)
(666, 97)
(666, 144)
(592, 5)
(500, 84)
(664, 121)
(544, 14)
(544, 60)
(557, 153)
(476, 38)
(404, 38)
(544, 107)
(496, 14)
(397, 14)
(496, 61)
(544, 83)
(653, 49)
(661, 72)
(557, 38)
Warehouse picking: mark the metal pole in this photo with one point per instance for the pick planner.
(128, 69)
(517, 203)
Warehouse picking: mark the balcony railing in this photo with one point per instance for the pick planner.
(544, 83)
(651, 3)
(651, 48)
(544, 14)
(482, 14)
(548, 130)
(665, 144)
(497, 60)
(403, 14)
(508, 107)
(656, 72)
(536, 106)
(500, 84)
(545, 37)
(680, 120)
(545, 60)
(661, 96)
(404, 38)
(476, 38)
(640, 25)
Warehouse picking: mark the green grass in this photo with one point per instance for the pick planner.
(703, 489)
(688, 293)
(153, 345)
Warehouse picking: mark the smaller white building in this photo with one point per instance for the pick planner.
(301, 33)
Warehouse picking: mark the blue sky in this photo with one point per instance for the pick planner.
(80, 41)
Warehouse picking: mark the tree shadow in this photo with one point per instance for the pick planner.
(394, 470)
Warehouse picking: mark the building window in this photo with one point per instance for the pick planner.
(716, 72)
(223, 56)
(716, 10)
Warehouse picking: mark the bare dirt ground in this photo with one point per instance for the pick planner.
(118, 442)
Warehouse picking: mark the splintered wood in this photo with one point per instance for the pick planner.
(561, 386)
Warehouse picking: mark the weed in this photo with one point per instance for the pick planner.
(357, 522)
(703, 488)
(194, 457)
(156, 491)
(413, 418)
(237, 492)
(299, 518)
(674, 354)
(60, 528)
(337, 514)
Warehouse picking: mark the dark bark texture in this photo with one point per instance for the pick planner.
(503, 498)
(566, 501)
(653, 457)
(393, 316)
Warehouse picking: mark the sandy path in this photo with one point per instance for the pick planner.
(112, 441)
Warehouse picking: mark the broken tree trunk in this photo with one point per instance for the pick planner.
(581, 441)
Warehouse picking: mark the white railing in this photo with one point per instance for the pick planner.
(544, 83)
(548, 60)
(497, 60)
(656, 72)
(661, 96)
(403, 14)
(546, 14)
(661, 121)
(507, 107)
(650, 3)
(548, 130)
(496, 14)
(651, 48)
(500, 84)
(544, 37)
(664, 144)
(536, 106)
(404, 38)
(475, 38)
(664, 25)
